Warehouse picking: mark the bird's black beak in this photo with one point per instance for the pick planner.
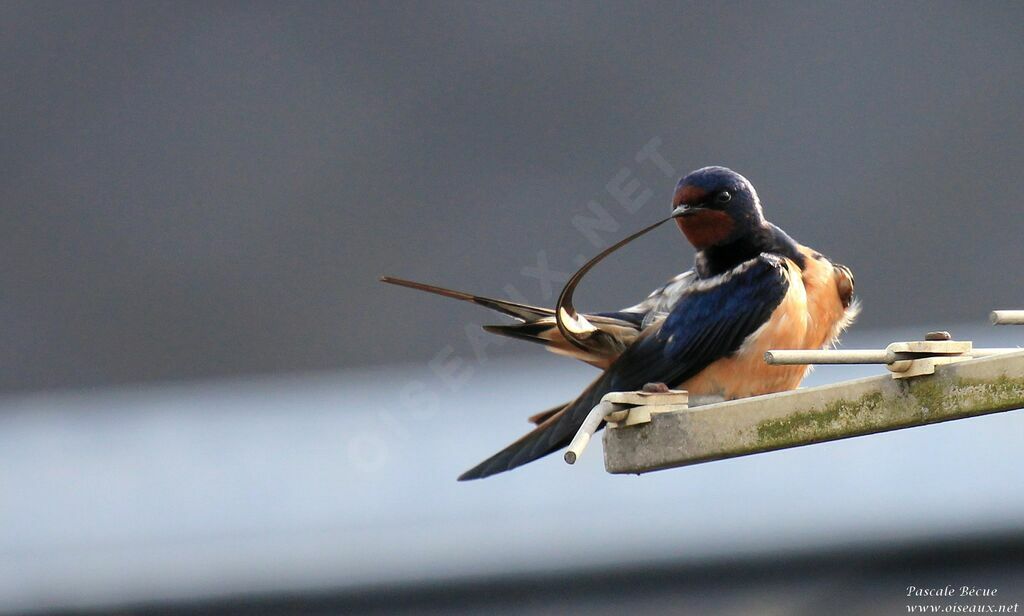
(685, 210)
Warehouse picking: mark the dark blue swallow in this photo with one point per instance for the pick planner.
(752, 288)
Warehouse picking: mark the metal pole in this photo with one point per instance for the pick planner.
(858, 356)
(849, 356)
(1007, 317)
(587, 430)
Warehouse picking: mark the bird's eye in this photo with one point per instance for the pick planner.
(723, 197)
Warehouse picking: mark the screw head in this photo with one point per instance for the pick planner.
(938, 336)
(656, 388)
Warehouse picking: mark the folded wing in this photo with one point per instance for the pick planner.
(709, 320)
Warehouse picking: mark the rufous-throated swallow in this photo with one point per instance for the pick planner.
(752, 288)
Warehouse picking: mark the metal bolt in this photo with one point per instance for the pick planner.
(938, 336)
(656, 388)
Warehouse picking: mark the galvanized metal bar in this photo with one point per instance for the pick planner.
(989, 352)
(586, 431)
(828, 356)
(816, 414)
(856, 356)
(1007, 317)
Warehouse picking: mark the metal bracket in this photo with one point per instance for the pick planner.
(636, 407)
(903, 359)
(625, 408)
(920, 357)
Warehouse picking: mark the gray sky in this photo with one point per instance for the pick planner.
(199, 190)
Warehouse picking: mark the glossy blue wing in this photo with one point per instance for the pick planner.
(710, 321)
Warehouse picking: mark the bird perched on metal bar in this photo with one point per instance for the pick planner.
(752, 288)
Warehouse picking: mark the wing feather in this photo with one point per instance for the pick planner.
(710, 320)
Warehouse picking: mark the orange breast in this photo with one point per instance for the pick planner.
(810, 316)
(828, 316)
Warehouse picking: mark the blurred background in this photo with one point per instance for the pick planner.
(209, 403)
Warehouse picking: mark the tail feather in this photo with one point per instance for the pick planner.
(534, 331)
(545, 332)
(522, 312)
(535, 324)
(553, 433)
(539, 418)
(555, 427)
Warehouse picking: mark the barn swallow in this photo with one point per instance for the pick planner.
(752, 288)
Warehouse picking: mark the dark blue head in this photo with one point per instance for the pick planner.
(714, 206)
